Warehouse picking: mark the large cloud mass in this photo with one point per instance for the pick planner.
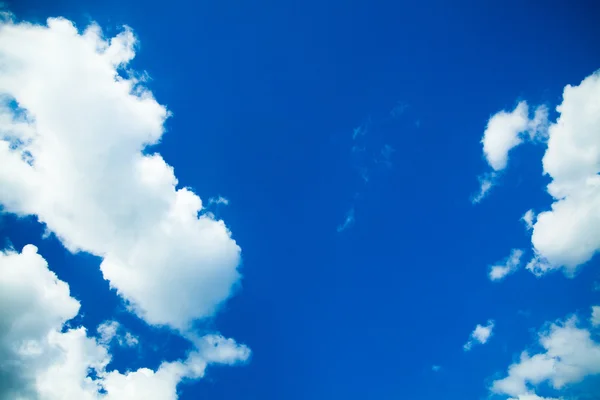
(74, 137)
(40, 358)
(569, 234)
(569, 354)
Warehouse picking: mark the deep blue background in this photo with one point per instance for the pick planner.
(265, 96)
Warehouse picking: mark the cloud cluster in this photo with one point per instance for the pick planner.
(569, 354)
(480, 335)
(75, 130)
(110, 331)
(567, 235)
(41, 357)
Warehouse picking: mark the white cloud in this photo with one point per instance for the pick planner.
(504, 131)
(528, 218)
(568, 235)
(538, 126)
(112, 330)
(595, 318)
(218, 200)
(436, 368)
(569, 354)
(128, 340)
(75, 155)
(107, 331)
(480, 335)
(511, 264)
(486, 182)
(485, 185)
(41, 358)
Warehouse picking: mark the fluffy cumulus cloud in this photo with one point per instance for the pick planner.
(568, 235)
(568, 355)
(480, 335)
(510, 265)
(75, 126)
(506, 130)
(503, 133)
(41, 357)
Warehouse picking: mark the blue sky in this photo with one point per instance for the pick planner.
(346, 137)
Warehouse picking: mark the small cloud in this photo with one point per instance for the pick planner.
(130, 340)
(503, 133)
(480, 335)
(436, 368)
(358, 131)
(529, 219)
(511, 264)
(418, 123)
(486, 182)
(539, 265)
(348, 222)
(109, 331)
(218, 200)
(506, 130)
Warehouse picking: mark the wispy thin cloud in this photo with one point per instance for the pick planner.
(371, 153)
(529, 219)
(218, 200)
(359, 131)
(486, 182)
(398, 109)
(501, 270)
(348, 221)
(386, 155)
